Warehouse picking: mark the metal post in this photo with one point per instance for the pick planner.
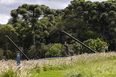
(78, 41)
(18, 62)
(7, 50)
(16, 46)
(18, 59)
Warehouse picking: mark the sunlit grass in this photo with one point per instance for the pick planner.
(53, 73)
(85, 65)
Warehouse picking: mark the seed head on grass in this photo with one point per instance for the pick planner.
(95, 62)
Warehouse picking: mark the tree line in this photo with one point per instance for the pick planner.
(35, 28)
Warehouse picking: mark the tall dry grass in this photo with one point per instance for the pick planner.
(31, 64)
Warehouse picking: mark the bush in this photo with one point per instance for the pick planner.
(54, 50)
(63, 51)
(32, 51)
(77, 48)
(38, 51)
(44, 49)
(1, 54)
(95, 44)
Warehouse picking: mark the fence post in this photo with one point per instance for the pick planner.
(18, 61)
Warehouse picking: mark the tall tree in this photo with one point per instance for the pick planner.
(29, 15)
(7, 30)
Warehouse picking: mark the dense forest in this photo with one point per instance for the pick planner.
(36, 29)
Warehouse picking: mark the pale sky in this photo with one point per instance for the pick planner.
(7, 5)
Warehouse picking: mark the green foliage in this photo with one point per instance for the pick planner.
(31, 31)
(39, 51)
(38, 24)
(1, 54)
(14, 13)
(54, 50)
(63, 51)
(112, 13)
(95, 44)
(44, 49)
(104, 15)
(77, 48)
(9, 31)
(32, 51)
(113, 7)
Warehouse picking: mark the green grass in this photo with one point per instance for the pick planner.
(98, 69)
(97, 66)
(9, 73)
(51, 73)
(85, 65)
(51, 59)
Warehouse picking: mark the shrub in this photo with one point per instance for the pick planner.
(1, 54)
(77, 48)
(32, 51)
(63, 51)
(95, 44)
(37, 51)
(44, 49)
(54, 50)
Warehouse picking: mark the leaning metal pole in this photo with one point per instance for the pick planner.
(16, 46)
(78, 41)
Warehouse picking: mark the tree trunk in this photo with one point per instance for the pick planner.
(33, 31)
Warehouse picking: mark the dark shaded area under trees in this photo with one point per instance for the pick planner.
(35, 28)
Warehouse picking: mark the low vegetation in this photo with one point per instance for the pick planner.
(85, 65)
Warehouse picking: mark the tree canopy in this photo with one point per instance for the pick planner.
(35, 26)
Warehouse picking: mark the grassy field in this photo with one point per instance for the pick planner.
(85, 65)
